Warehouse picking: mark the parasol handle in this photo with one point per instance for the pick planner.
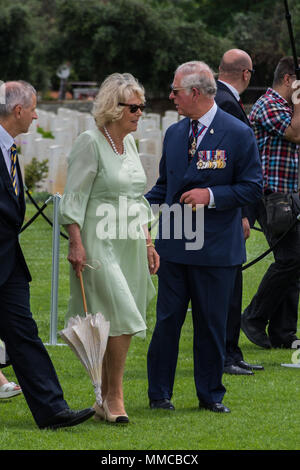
(83, 293)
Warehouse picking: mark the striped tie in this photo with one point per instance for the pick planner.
(193, 138)
(13, 168)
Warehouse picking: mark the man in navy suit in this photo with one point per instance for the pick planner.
(205, 165)
(235, 72)
(18, 330)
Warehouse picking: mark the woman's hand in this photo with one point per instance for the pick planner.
(153, 258)
(76, 256)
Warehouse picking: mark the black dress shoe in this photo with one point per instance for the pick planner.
(67, 418)
(8, 363)
(216, 407)
(292, 343)
(245, 365)
(236, 370)
(164, 404)
(254, 334)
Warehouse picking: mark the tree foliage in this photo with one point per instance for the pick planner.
(148, 38)
(99, 38)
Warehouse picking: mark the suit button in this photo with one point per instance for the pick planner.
(171, 172)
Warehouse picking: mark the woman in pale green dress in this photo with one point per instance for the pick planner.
(106, 216)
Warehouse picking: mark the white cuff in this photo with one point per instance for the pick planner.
(211, 204)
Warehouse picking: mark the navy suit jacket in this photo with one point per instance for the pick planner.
(226, 100)
(12, 211)
(236, 185)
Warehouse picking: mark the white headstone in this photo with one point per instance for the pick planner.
(150, 146)
(150, 165)
(63, 137)
(156, 117)
(172, 114)
(167, 121)
(57, 169)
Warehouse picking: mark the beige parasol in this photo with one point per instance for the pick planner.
(87, 337)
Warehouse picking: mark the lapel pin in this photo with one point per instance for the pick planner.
(212, 131)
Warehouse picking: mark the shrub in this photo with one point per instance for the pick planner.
(35, 173)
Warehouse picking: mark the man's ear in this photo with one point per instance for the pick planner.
(17, 111)
(195, 92)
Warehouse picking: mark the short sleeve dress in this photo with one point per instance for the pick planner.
(104, 196)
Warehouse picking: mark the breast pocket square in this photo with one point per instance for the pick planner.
(211, 159)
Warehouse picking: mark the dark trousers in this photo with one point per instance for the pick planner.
(209, 290)
(233, 352)
(276, 301)
(30, 360)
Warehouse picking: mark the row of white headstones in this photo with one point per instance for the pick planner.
(67, 124)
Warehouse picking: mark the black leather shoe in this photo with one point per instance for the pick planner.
(254, 334)
(236, 370)
(8, 363)
(164, 404)
(67, 418)
(291, 343)
(216, 407)
(245, 365)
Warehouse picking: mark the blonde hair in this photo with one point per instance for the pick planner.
(116, 88)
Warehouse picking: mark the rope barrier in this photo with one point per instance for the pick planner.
(269, 250)
(40, 211)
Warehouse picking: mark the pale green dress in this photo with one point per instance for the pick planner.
(104, 196)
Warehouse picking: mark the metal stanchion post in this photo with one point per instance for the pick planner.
(55, 271)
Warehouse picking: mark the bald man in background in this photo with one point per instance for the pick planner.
(235, 73)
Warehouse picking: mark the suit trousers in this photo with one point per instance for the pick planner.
(29, 358)
(209, 289)
(276, 301)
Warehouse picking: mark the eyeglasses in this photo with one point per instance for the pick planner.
(175, 90)
(252, 71)
(134, 107)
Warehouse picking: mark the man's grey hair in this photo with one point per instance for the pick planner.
(13, 94)
(197, 74)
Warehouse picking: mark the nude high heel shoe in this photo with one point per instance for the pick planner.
(114, 418)
(100, 413)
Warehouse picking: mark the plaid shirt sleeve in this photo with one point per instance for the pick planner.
(274, 118)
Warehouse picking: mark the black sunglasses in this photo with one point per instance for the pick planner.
(133, 107)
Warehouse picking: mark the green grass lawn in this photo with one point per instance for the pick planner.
(265, 407)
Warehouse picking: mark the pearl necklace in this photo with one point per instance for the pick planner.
(112, 143)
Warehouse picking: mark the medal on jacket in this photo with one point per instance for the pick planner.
(211, 159)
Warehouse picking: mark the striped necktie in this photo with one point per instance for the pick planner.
(193, 138)
(13, 168)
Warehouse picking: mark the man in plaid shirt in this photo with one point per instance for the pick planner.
(275, 119)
